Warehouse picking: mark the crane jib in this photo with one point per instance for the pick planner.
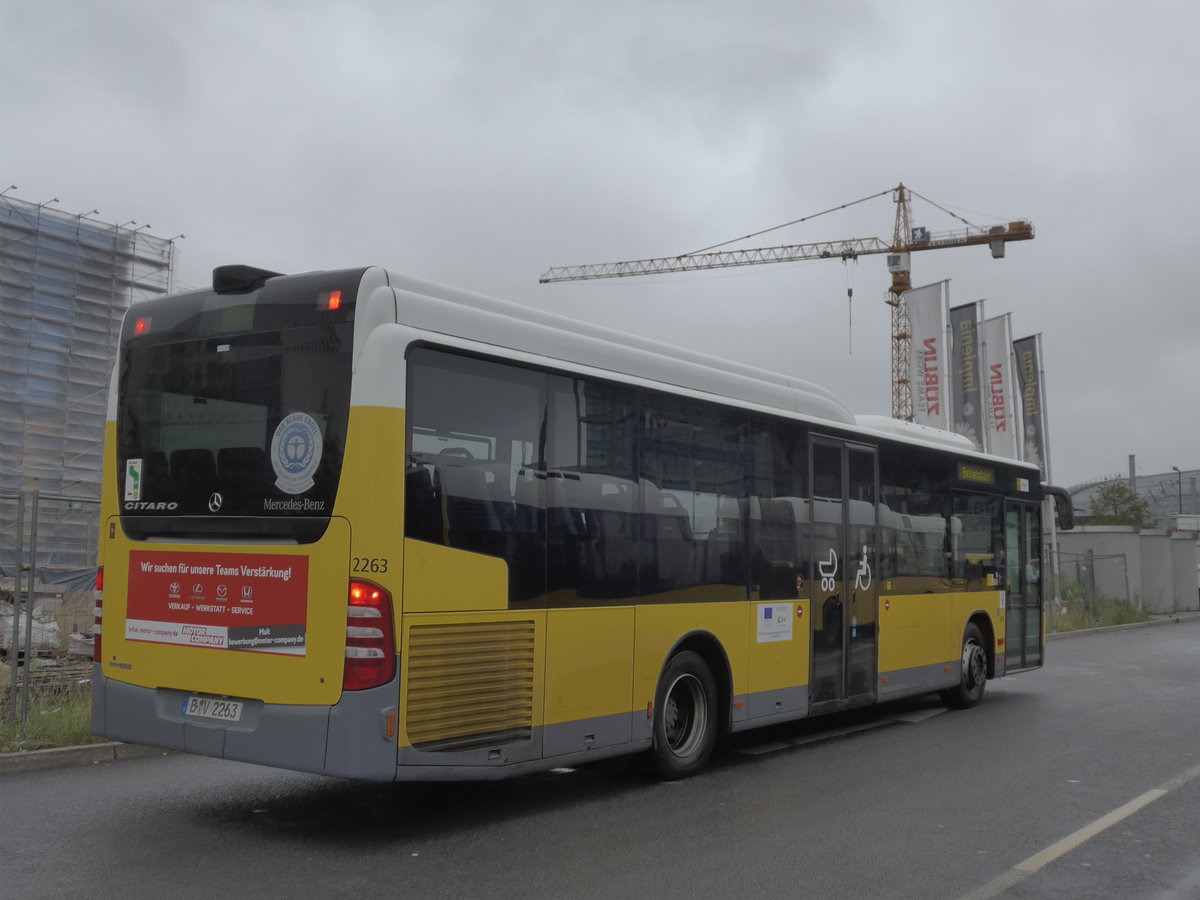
(848, 249)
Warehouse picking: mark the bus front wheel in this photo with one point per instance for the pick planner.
(973, 678)
(685, 719)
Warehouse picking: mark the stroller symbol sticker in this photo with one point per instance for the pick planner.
(828, 571)
(296, 452)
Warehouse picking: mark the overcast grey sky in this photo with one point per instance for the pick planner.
(479, 143)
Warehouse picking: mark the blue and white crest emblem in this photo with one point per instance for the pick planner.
(296, 452)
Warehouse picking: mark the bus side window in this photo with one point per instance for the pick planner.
(667, 542)
(776, 556)
(976, 552)
(471, 516)
(724, 551)
(422, 506)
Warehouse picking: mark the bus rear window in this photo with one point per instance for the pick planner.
(233, 433)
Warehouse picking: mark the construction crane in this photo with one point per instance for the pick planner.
(905, 240)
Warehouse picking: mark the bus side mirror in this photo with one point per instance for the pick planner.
(1064, 511)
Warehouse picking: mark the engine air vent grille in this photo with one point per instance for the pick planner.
(469, 685)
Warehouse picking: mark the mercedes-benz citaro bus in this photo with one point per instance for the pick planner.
(360, 524)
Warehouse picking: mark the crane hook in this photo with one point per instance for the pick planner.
(849, 306)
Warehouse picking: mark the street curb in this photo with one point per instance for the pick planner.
(84, 755)
(1173, 619)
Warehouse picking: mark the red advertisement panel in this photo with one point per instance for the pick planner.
(226, 601)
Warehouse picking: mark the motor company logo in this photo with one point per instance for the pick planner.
(146, 506)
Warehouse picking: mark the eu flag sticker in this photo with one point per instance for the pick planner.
(774, 622)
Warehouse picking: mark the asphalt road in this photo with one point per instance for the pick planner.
(1079, 780)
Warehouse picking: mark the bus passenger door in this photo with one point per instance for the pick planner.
(845, 563)
(1023, 583)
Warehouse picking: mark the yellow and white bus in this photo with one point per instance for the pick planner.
(360, 524)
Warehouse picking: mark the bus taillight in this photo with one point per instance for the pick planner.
(370, 640)
(99, 604)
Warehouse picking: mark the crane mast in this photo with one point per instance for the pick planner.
(905, 240)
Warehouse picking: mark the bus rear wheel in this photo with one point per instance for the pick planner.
(973, 678)
(685, 719)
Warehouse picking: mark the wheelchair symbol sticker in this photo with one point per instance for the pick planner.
(862, 580)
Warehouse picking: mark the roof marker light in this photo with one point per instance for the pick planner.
(335, 300)
(142, 325)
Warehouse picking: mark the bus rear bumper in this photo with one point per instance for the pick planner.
(327, 740)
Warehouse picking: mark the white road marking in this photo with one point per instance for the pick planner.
(1040, 860)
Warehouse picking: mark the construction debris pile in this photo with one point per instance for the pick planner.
(43, 631)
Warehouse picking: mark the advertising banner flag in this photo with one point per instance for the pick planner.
(1000, 426)
(1028, 355)
(966, 396)
(927, 363)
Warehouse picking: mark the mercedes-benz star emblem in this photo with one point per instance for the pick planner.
(214, 503)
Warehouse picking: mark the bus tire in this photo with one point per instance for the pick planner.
(973, 678)
(685, 718)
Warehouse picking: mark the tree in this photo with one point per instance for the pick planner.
(1114, 503)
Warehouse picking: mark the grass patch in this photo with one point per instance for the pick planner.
(1078, 613)
(57, 718)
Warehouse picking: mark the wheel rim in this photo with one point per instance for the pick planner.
(685, 715)
(974, 666)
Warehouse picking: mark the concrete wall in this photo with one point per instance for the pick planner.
(1185, 562)
(1158, 576)
(1160, 565)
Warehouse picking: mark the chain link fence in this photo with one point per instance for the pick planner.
(1093, 590)
(47, 597)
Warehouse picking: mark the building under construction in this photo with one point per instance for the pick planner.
(1169, 496)
(65, 282)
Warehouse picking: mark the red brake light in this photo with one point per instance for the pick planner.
(141, 326)
(99, 605)
(370, 638)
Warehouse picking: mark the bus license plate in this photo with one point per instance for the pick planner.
(213, 708)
